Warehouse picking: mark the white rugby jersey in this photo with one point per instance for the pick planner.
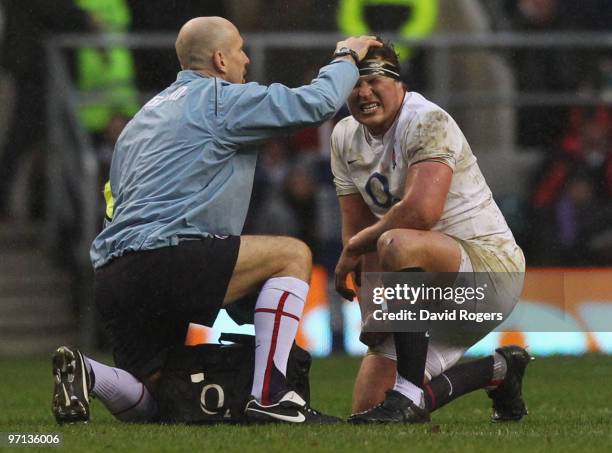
(376, 168)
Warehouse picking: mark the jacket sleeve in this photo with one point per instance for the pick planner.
(250, 113)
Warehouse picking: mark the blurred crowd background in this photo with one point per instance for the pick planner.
(558, 205)
(564, 219)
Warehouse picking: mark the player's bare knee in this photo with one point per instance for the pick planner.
(388, 252)
(303, 258)
(298, 260)
(401, 248)
(384, 241)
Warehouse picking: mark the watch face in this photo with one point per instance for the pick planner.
(346, 51)
(343, 51)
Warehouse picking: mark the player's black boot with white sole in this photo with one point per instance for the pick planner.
(290, 408)
(71, 391)
(396, 408)
(508, 404)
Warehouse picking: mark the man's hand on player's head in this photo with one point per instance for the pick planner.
(360, 44)
(347, 263)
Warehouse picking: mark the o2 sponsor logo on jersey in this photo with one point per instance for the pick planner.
(377, 188)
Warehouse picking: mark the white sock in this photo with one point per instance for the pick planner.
(123, 395)
(277, 315)
(409, 390)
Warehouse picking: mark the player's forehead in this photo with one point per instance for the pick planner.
(378, 68)
(373, 79)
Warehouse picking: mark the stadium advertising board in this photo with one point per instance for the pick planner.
(561, 311)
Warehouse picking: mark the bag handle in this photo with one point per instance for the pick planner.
(238, 338)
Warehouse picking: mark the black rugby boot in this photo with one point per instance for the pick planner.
(396, 408)
(70, 402)
(508, 404)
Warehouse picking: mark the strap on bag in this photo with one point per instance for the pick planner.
(237, 338)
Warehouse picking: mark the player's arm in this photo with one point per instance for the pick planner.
(356, 215)
(253, 113)
(427, 186)
(432, 147)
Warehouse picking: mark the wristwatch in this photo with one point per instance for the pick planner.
(344, 51)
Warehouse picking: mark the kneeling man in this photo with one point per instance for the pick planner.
(413, 198)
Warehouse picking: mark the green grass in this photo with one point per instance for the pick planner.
(569, 399)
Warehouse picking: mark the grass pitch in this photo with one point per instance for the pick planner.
(569, 400)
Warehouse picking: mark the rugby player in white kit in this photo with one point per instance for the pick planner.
(413, 198)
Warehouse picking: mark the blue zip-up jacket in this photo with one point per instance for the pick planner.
(183, 166)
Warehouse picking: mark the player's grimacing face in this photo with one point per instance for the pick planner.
(375, 101)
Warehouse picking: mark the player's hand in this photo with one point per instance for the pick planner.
(346, 264)
(360, 45)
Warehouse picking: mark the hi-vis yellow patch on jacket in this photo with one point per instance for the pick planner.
(110, 201)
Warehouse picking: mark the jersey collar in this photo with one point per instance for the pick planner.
(190, 74)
